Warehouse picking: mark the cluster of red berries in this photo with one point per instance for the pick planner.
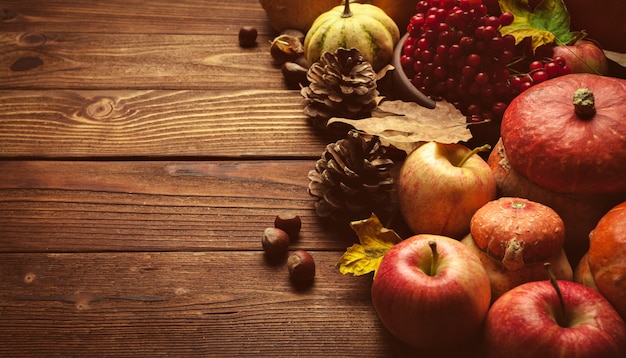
(455, 52)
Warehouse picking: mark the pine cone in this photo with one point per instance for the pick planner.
(352, 179)
(342, 84)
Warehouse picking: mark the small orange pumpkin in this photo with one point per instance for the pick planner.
(514, 237)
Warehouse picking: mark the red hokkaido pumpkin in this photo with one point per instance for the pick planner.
(568, 134)
(604, 266)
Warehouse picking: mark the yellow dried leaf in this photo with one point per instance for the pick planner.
(375, 240)
(407, 125)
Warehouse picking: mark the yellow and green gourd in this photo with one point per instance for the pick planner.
(363, 26)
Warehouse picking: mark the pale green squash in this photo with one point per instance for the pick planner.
(363, 26)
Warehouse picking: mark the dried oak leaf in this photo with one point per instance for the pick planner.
(407, 125)
(375, 240)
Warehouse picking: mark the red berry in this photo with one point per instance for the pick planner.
(492, 21)
(509, 42)
(559, 61)
(552, 69)
(498, 109)
(473, 60)
(525, 85)
(535, 65)
(516, 83)
(506, 18)
(481, 78)
(540, 76)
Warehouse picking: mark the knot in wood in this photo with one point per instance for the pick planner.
(101, 108)
(7, 14)
(26, 63)
(32, 39)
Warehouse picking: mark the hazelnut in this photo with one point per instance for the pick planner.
(275, 241)
(294, 75)
(286, 48)
(247, 36)
(294, 33)
(301, 266)
(289, 223)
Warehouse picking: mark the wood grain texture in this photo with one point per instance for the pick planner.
(142, 153)
(120, 16)
(149, 123)
(50, 206)
(136, 61)
(224, 304)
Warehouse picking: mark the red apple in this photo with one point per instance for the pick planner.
(431, 292)
(583, 57)
(531, 320)
(440, 186)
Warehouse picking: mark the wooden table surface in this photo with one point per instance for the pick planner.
(143, 152)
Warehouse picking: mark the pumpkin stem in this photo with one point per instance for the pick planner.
(514, 255)
(584, 103)
(346, 9)
(482, 148)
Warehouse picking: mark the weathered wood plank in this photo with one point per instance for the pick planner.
(81, 60)
(50, 206)
(226, 304)
(120, 16)
(138, 123)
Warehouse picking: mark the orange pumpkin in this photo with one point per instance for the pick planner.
(579, 213)
(295, 14)
(514, 237)
(605, 264)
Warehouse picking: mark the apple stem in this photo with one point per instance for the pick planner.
(579, 36)
(435, 258)
(346, 9)
(553, 281)
(482, 148)
(584, 103)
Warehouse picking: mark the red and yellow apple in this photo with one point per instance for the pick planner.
(431, 292)
(440, 186)
(531, 320)
(581, 57)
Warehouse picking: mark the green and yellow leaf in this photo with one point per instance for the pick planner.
(548, 23)
(375, 240)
